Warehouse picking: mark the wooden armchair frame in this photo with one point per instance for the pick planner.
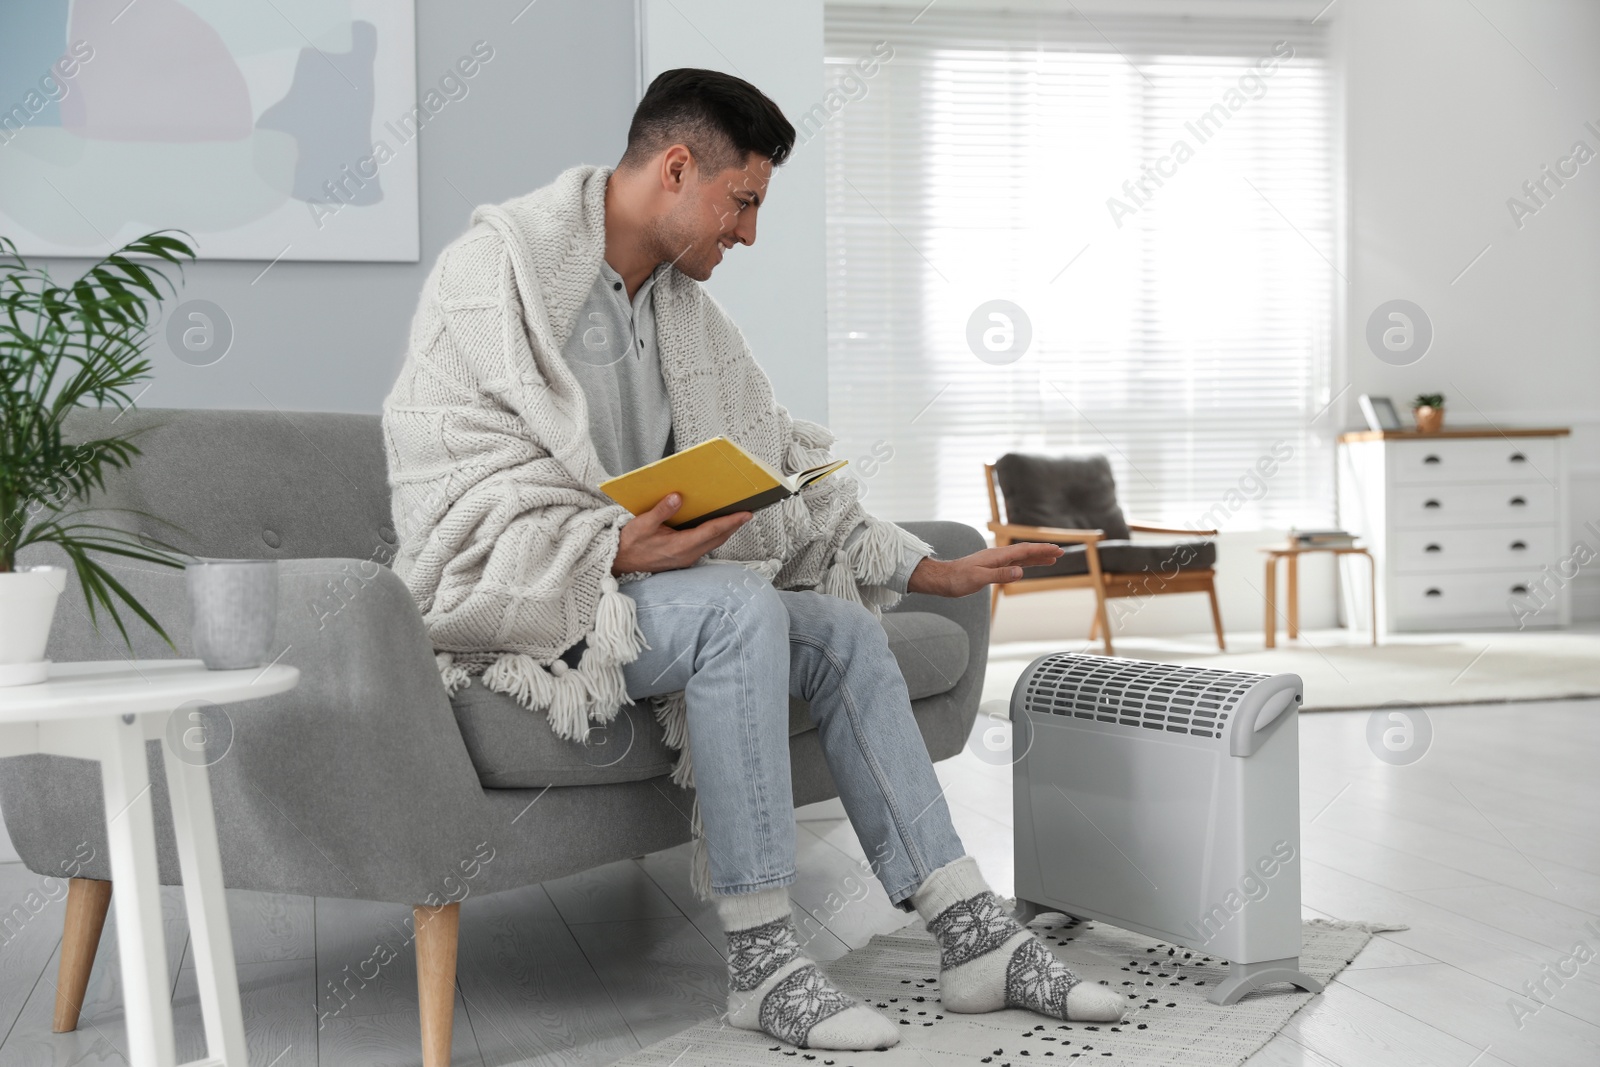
(1107, 585)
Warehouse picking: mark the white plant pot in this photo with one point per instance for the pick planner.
(27, 604)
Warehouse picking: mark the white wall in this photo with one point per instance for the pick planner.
(1448, 112)
(776, 290)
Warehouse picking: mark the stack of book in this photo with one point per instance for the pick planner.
(1321, 539)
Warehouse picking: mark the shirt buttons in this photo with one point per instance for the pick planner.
(616, 285)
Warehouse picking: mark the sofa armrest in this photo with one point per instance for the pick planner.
(354, 784)
(951, 540)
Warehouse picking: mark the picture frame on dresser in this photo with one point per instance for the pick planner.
(1466, 527)
(1380, 413)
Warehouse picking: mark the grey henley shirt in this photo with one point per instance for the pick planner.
(613, 354)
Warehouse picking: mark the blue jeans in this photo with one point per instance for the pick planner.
(740, 649)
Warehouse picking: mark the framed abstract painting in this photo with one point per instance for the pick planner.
(267, 130)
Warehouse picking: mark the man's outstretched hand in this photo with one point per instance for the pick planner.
(992, 566)
(646, 543)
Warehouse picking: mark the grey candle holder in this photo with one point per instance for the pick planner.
(233, 609)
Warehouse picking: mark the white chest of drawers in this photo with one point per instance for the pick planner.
(1467, 528)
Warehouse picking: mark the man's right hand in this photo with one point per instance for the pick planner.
(647, 543)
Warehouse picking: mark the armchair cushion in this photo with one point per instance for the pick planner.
(1076, 492)
(932, 651)
(1131, 557)
(515, 749)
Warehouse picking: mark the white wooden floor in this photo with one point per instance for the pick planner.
(1489, 847)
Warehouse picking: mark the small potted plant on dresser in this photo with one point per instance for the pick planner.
(62, 347)
(1428, 410)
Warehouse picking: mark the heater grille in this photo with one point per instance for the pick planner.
(1154, 696)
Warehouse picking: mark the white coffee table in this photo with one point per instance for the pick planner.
(106, 712)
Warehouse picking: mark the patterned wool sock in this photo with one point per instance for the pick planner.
(774, 988)
(987, 961)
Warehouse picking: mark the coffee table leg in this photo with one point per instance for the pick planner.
(141, 945)
(1271, 627)
(1294, 596)
(211, 940)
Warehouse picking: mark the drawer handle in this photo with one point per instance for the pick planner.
(1433, 548)
(1518, 457)
(1431, 504)
(1519, 589)
(1519, 502)
(1519, 546)
(1431, 459)
(1434, 592)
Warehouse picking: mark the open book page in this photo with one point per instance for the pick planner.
(815, 474)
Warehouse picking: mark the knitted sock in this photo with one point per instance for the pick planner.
(987, 961)
(774, 988)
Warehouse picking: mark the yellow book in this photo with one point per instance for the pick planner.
(715, 478)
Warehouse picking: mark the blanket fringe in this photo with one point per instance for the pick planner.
(876, 553)
(616, 637)
(455, 678)
(699, 856)
(570, 697)
(672, 712)
(857, 573)
(839, 580)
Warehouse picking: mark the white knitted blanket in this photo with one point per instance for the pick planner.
(506, 542)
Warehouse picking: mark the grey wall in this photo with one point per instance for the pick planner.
(558, 91)
(776, 290)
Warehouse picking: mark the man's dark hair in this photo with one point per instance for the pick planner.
(719, 118)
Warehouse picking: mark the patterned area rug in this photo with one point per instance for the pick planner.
(1170, 1020)
(1420, 669)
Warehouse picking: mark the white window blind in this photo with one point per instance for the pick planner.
(1180, 300)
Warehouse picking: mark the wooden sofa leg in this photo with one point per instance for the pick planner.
(87, 901)
(438, 930)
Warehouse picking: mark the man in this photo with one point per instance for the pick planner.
(565, 338)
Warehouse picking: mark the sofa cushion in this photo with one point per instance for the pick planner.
(249, 484)
(513, 748)
(1130, 557)
(1075, 492)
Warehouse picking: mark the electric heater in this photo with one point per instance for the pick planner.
(1165, 800)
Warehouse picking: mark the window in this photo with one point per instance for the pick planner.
(1047, 234)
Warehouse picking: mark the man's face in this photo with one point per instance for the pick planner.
(710, 217)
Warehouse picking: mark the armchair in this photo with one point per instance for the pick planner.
(368, 781)
(1072, 501)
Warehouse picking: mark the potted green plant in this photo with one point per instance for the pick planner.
(1428, 410)
(62, 347)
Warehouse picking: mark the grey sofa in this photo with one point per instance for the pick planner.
(367, 781)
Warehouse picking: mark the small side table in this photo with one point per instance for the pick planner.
(1293, 556)
(106, 712)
